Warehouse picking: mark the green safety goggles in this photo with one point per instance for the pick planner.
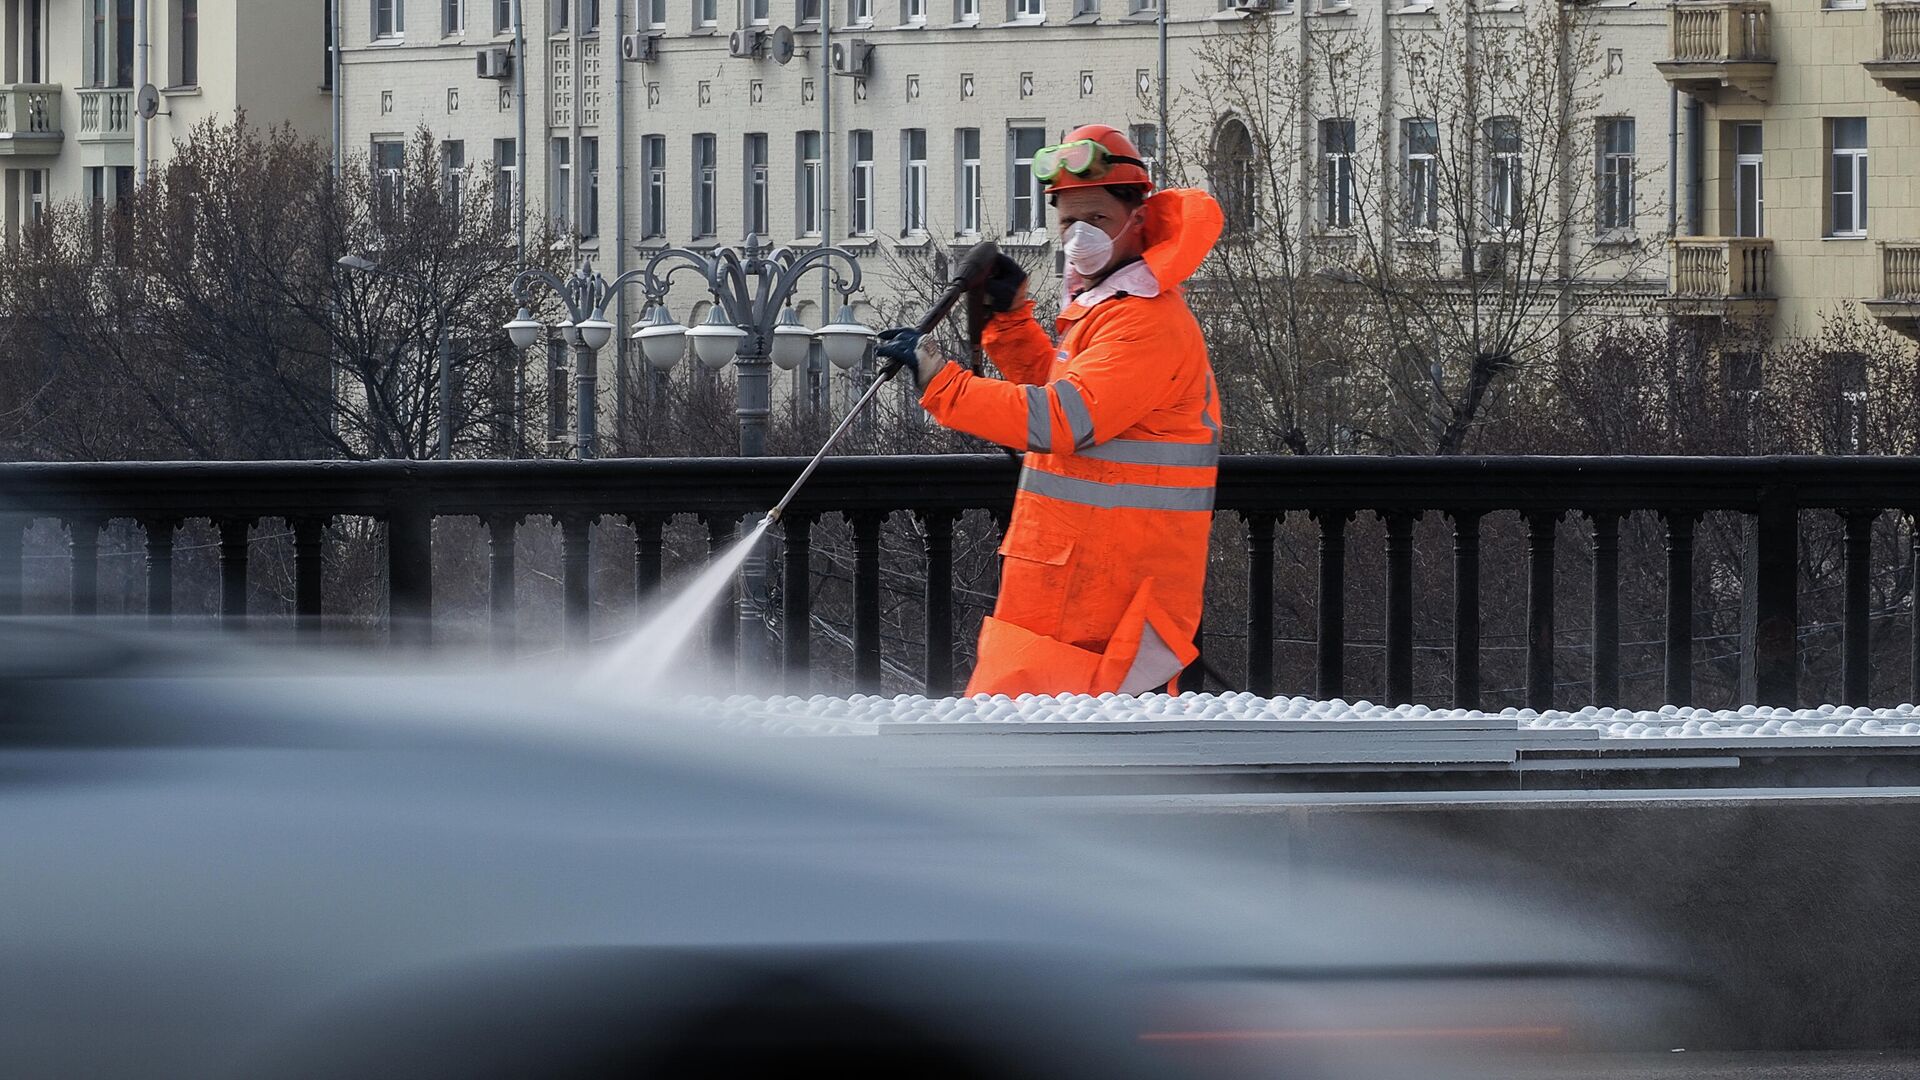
(1083, 158)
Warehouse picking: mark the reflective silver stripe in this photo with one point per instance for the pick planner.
(1152, 452)
(1039, 421)
(1079, 420)
(1110, 496)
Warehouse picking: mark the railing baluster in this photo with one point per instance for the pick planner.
(1679, 651)
(1331, 661)
(576, 576)
(503, 598)
(796, 600)
(938, 526)
(1606, 606)
(1466, 609)
(866, 602)
(233, 571)
(309, 555)
(409, 573)
(1855, 640)
(723, 630)
(160, 533)
(646, 556)
(84, 543)
(1771, 610)
(1540, 542)
(1399, 606)
(12, 543)
(1260, 529)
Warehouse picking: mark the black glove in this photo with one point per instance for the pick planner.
(992, 274)
(899, 348)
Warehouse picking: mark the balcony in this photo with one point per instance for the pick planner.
(29, 119)
(1898, 67)
(1898, 304)
(106, 114)
(1720, 276)
(1718, 48)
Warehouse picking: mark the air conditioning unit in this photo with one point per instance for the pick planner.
(853, 57)
(495, 63)
(639, 48)
(745, 43)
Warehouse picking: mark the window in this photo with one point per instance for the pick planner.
(706, 12)
(186, 43)
(560, 182)
(123, 43)
(1233, 176)
(453, 180)
(1848, 175)
(755, 202)
(1027, 208)
(706, 186)
(966, 11)
(757, 13)
(1420, 141)
(1506, 188)
(807, 11)
(503, 16)
(453, 17)
(1146, 139)
(1086, 7)
(506, 181)
(389, 18)
(654, 14)
(913, 181)
(1336, 173)
(808, 190)
(1617, 165)
(561, 9)
(590, 14)
(860, 150)
(589, 187)
(913, 12)
(1141, 7)
(389, 160)
(967, 194)
(1029, 9)
(1749, 182)
(859, 12)
(653, 212)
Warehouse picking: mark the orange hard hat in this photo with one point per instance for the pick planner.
(1110, 161)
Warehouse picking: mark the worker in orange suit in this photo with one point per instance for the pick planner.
(1105, 559)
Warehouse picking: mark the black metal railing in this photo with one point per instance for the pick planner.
(1771, 493)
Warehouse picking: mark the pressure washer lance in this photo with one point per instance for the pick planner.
(955, 290)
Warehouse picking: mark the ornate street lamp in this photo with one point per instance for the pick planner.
(750, 323)
(587, 295)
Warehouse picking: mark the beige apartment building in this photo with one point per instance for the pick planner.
(1808, 144)
(914, 133)
(71, 71)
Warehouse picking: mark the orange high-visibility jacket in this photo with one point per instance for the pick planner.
(1105, 557)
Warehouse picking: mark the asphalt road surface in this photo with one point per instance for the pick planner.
(1852, 1065)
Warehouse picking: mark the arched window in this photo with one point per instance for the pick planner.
(1233, 176)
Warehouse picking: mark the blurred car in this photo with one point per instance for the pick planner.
(216, 862)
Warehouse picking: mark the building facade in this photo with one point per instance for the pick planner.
(70, 73)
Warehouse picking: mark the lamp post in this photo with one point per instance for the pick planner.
(444, 360)
(752, 325)
(587, 296)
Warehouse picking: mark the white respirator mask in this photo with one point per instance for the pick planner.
(1088, 249)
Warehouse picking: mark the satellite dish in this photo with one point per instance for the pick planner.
(147, 102)
(781, 48)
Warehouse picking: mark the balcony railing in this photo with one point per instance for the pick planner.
(29, 118)
(1773, 494)
(1724, 269)
(1720, 44)
(106, 114)
(1898, 66)
(1898, 304)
